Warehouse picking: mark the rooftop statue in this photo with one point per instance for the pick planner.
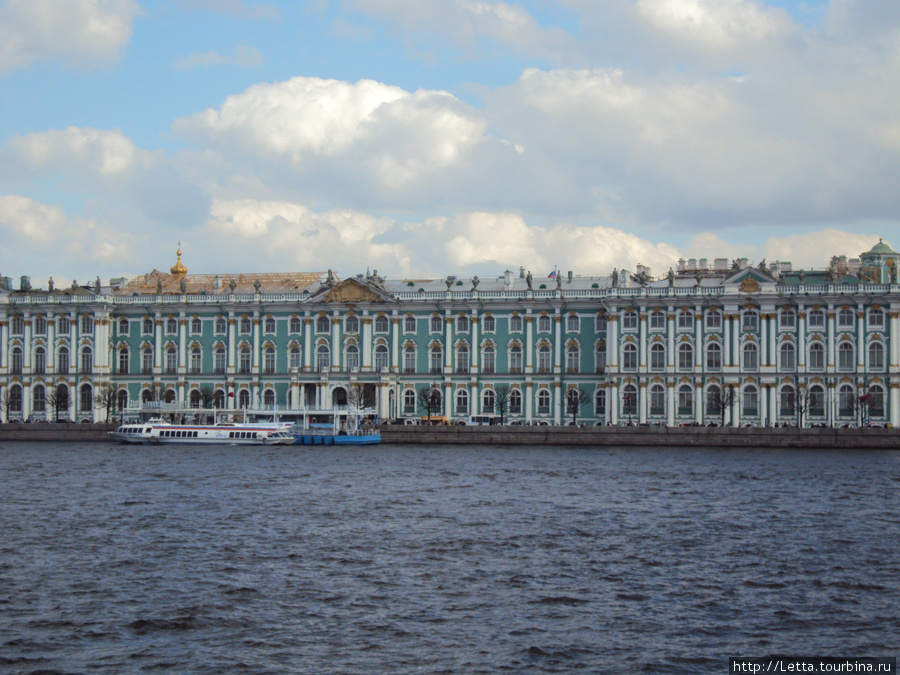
(528, 279)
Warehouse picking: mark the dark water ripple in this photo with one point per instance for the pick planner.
(441, 560)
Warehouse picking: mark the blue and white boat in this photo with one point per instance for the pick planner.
(228, 433)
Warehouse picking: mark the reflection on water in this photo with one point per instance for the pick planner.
(444, 559)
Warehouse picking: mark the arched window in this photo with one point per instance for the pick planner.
(351, 325)
(846, 356)
(462, 402)
(657, 399)
(714, 319)
(515, 402)
(543, 324)
(876, 319)
(816, 401)
(123, 326)
(147, 360)
(657, 356)
(40, 361)
(15, 399)
(787, 319)
(194, 400)
(171, 326)
(244, 398)
(124, 355)
(685, 400)
(294, 325)
(846, 401)
(488, 359)
(462, 359)
(629, 356)
(220, 360)
(196, 360)
(544, 359)
(269, 360)
(629, 399)
(573, 323)
(573, 359)
(87, 325)
(715, 401)
(196, 325)
(489, 325)
(750, 357)
(462, 324)
(714, 356)
(685, 357)
(600, 402)
(294, 358)
(435, 324)
(409, 402)
(86, 399)
(600, 322)
(221, 326)
(381, 324)
(600, 357)
(876, 401)
(122, 399)
(352, 357)
(515, 323)
(409, 359)
(543, 402)
(435, 359)
(219, 398)
(171, 360)
(382, 363)
(816, 356)
(816, 319)
(269, 325)
(323, 357)
(244, 360)
(87, 360)
(38, 398)
(876, 356)
(750, 403)
(629, 320)
(245, 326)
(147, 326)
(788, 400)
(269, 399)
(409, 324)
(488, 401)
(515, 359)
(787, 355)
(657, 320)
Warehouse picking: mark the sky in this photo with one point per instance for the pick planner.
(461, 137)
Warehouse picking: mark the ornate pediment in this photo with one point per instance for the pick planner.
(749, 285)
(352, 291)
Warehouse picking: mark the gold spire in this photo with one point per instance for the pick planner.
(178, 269)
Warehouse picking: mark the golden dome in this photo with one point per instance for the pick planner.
(178, 269)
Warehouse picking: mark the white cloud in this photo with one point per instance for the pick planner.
(815, 249)
(238, 8)
(78, 33)
(22, 217)
(246, 57)
(106, 153)
(719, 24)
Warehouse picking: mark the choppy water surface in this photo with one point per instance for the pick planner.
(119, 559)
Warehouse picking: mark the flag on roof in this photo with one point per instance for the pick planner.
(552, 274)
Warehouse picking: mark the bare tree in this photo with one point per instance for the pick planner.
(6, 403)
(105, 400)
(429, 398)
(207, 396)
(501, 401)
(58, 400)
(721, 401)
(361, 396)
(575, 399)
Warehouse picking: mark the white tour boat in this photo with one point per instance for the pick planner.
(228, 433)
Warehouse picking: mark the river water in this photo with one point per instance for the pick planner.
(126, 559)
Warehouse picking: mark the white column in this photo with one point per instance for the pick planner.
(529, 343)
(557, 403)
(395, 343)
(801, 339)
(232, 347)
(51, 344)
(670, 342)
(671, 394)
(830, 354)
(643, 397)
(448, 336)
(613, 401)
(307, 365)
(366, 346)
(642, 343)
(473, 327)
(557, 347)
(612, 343)
(26, 349)
(336, 346)
(254, 351)
(182, 344)
(157, 343)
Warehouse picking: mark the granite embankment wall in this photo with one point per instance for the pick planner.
(60, 432)
(673, 437)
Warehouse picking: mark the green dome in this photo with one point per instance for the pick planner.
(881, 248)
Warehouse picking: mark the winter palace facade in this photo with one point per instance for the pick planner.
(720, 342)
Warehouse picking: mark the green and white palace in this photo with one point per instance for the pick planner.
(718, 341)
